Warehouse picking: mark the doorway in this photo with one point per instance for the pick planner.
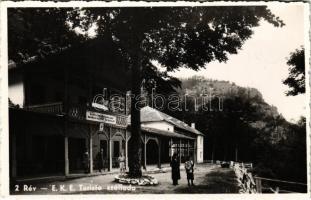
(152, 152)
(76, 149)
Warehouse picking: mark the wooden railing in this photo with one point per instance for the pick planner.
(245, 178)
(250, 184)
(52, 108)
(75, 111)
(268, 185)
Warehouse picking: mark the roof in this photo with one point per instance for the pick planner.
(165, 133)
(148, 114)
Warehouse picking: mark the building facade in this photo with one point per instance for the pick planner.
(165, 135)
(65, 105)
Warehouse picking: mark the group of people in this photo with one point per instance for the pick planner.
(189, 167)
(101, 161)
(175, 165)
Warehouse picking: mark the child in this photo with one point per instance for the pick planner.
(189, 165)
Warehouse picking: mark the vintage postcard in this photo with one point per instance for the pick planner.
(105, 98)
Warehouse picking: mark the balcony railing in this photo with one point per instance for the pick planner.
(75, 111)
(52, 108)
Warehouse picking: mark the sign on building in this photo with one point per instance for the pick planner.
(101, 127)
(100, 117)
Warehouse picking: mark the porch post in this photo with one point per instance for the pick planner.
(179, 151)
(90, 88)
(66, 108)
(66, 157)
(91, 153)
(195, 151)
(126, 151)
(145, 152)
(171, 147)
(159, 153)
(188, 148)
(110, 150)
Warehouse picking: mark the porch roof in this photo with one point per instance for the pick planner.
(165, 133)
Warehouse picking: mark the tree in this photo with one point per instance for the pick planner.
(175, 37)
(296, 78)
(35, 33)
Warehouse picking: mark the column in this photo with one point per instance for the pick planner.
(159, 153)
(91, 153)
(171, 147)
(66, 157)
(179, 150)
(126, 150)
(110, 150)
(188, 148)
(195, 148)
(145, 152)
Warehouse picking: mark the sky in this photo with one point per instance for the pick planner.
(262, 61)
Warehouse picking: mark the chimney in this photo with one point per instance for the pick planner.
(193, 125)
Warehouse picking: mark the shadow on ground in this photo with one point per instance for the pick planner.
(219, 180)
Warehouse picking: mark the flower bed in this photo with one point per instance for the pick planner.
(144, 180)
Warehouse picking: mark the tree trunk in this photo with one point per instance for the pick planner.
(135, 150)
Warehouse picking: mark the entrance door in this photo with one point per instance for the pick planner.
(152, 152)
(104, 146)
(76, 148)
(116, 153)
(116, 149)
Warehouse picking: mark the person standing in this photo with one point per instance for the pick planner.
(175, 169)
(189, 166)
(86, 162)
(121, 160)
(101, 160)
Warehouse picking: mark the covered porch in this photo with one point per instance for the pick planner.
(158, 147)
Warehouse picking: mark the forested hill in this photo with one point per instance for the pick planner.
(229, 92)
(245, 129)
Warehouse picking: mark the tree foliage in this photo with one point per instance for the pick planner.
(175, 37)
(34, 33)
(296, 78)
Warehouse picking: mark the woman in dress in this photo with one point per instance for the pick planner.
(121, 160)
(189, 166)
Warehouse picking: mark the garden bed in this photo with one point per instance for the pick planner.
(145, 180)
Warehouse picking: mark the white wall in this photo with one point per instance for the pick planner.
(200, 142)
(16, 91)
(162, 125)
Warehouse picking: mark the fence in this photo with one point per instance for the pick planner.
(244, 177)
(250, 184)
(268, 185)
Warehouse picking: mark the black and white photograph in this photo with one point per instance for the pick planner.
(156, 98)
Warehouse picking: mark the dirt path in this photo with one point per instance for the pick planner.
(209, 179)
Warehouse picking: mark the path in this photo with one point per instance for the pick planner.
(208, 179)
